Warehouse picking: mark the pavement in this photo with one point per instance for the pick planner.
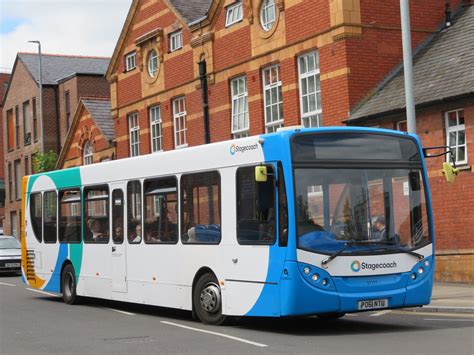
(450, 298)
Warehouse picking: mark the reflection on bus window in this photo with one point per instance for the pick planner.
(50, 216)
(96, 219)
(134, 212)
(201, 208)
(255, 207)
(70, 216)
(117, 216)
(161, 211)
(36, 213)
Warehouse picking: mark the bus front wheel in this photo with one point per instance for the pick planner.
(207, 300)
(68, 285)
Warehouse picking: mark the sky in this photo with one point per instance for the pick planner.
(80, 27)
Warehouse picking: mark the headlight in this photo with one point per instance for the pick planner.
(315, 277)
(420, 270)
(306, 270)
(325, 282)
(427, 263)
(413, 276)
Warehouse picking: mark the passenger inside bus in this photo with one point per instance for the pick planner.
(96, 233)
(136, 236)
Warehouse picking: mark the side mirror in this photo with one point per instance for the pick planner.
(261, 173)
(449, 172)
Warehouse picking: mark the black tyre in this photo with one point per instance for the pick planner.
(207, 300)
(329, 316)
(68, 285)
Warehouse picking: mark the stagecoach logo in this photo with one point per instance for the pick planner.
(234, 149)
(355, 266)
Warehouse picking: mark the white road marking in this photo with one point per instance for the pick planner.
(381, 313)
(351, 315)
(43, 292)
(450, 319)
(119, 311)
(218, 334)
(6, 284)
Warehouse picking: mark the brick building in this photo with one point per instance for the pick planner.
(4, 78)
(65, 80)
(91, 137)
(269, 63)
(444, 98)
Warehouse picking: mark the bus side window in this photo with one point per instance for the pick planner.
(117, 216)
(201, 208)
(70, 216)
(134, 212)
(50, 202)
(256, 223)
(96, 219)
(161, 210)
(36, 215)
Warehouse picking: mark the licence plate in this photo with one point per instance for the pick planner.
(12, 265)
(373, 304)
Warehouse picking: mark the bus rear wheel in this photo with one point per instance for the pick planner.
(207, 300)
(68, 285)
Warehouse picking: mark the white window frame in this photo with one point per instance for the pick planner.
(130, 61)
(267, 6)
(88, 153)
(272, 124)
(156, 132)
(456, 129)
(176, 40)
(240, 107)
(310, 118)
(234, 13)
(134, 134)
(179, 122)
(153, 63)
(399, 123)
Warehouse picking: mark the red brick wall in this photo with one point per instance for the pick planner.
(3, 79)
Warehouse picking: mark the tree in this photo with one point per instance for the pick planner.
(43, 162)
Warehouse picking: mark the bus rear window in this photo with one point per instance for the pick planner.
(353, 146)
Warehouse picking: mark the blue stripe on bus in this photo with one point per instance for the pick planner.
(54, 283)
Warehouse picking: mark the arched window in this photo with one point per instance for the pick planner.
(88, 153)
(152, 63)
(268, 14)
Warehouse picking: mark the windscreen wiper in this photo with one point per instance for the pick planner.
(337, 253)
(400, 248)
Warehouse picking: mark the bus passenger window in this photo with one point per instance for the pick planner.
(134, 212)
(201, 208)
(161, 211)
(117, 216)
(255, 207)
(36, 215)
(50, 203)
(70, 216)
(96, 219)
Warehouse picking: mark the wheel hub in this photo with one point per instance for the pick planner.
(210, 298)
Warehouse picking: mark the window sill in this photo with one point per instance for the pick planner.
(464, 167)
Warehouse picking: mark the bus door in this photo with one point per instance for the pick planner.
(118, 247)
(252, 259)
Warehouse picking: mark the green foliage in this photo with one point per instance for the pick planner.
(43, 162)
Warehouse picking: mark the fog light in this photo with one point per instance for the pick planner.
(420, 270)
(315, 277)
(413, 276)
(427, 263)
(325, 282)
(306, 270)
